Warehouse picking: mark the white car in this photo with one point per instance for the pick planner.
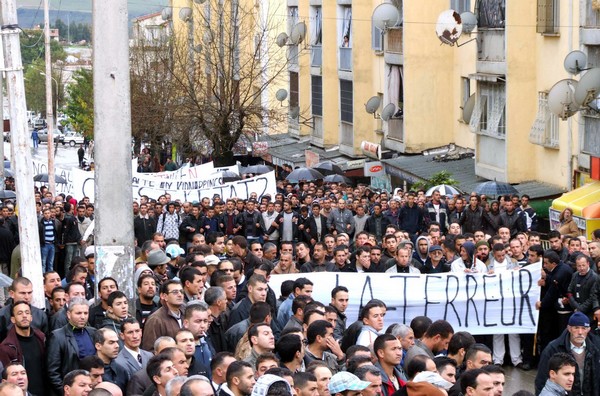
(73, 138)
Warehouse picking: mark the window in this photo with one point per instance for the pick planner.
(346, 36)
(395, 89)
(460, 6)
(346, 102)
(489, 113)
(294, 91)
(591, 136)
(466, 89)
(376, 39)
(316, 26)
(547, 16)
(490, 13)
(317, 95)
(544, 130)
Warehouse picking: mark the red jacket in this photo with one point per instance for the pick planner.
(10, 348)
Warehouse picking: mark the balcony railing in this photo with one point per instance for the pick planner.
(293, 54)
(318, 125)
(396, 129)
(347, 134)
(394, 41)
(345, 59)
(316, 56)
(491, 45)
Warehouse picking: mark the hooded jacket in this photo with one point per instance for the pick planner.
(474, 264)
(417, 255)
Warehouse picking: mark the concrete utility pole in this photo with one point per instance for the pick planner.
(28, 225)
(113, 232)
(49, 111)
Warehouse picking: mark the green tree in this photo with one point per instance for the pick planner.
(80, 103)
(442, 177)
(32, 48)
(35, 87)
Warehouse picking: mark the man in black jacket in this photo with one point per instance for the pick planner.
(70, 234)
(21, 289)
(143, 225)
(584, 346)
(69, 344)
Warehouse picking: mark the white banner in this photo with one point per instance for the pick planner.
(81, 184)
(502, 303)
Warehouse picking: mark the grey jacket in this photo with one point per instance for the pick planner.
(340, 219)
(552, 389)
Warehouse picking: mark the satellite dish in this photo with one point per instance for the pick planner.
(561, 98)
(281, 94)
(166, 14)
(282, 39)
(298, 33)
(372, 104)
(469, 21)
(386, 16)
(388, 112)
(467, 110)
(449, 27)
(294, 112)
(588, 87)
(575, 62)
(185, 14)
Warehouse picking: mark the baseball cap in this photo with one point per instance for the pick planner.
(174, 250)
(344, 380)
(434, 248)
(211, 259)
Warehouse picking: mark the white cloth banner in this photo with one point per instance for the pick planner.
(502, 303)
(81, 184)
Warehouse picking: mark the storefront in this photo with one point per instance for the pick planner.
(585, 203)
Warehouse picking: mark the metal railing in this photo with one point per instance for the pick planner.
(347, 134)
(318, 127)
(394, 41)
(316, 56)
(345, 58)
(396, 129)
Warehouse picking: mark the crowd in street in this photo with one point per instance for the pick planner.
(205, 320)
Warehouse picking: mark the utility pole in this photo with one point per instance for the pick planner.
(113, 230)
(28, 225)
(2, 173)
(49, 112)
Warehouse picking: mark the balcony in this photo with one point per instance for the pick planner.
(393, 47)
(316, 56)
(293, 126)
(293, 56)
(590, 31)
(491, 51)
(317, 133)
(347, 138)
(591, 136)
(345, 58)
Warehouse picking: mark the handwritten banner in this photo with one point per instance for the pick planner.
(502, 303)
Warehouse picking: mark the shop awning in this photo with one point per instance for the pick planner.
(584, 201)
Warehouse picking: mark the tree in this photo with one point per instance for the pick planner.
(35, 87)
(221, 71)
(32, 48)
(441, 177)
(80, 103)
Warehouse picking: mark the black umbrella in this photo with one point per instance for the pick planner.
(494, 188)
(257, 169)
(7, 194)
(337, 179)
(43, 177)
(328, 168)
(305, 174)
(229, 176)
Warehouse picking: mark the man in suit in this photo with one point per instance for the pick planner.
(131, 357)
(319, 223)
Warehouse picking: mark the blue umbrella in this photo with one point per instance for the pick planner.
(494, 188)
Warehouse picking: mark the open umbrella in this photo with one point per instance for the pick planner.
(229, 176)
(306, 174)
(444, 189)
(8, 173)
(7, 194)
(337, 179)
(494, 188)
(328, 168)
(43, 177)
(257, 169)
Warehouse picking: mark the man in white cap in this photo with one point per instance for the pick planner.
(346, 384)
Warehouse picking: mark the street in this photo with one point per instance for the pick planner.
(64, 157)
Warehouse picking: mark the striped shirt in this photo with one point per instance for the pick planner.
(48, 231)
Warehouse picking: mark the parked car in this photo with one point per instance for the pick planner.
(56, 136)
(72, 139)
(39, 123)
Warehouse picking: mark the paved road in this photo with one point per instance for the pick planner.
(64, 157)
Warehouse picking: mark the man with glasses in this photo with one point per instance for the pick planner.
(168, 319)
(256, 249)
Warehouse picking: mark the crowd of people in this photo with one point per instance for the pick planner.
(205, 320)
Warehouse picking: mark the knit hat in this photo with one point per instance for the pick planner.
(481, 243)
(579, 319)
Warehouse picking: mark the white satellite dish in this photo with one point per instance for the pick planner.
(294, 112)
(281, 94)
(388, 111)
(166, 14)
(561, 98)
(575, 62)
(298, 33)
(185, 14)
(282, 39)
(449, 27)
(588, 87)
(469, 21)
(372, 104)
(385, 16)
(467, 110)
